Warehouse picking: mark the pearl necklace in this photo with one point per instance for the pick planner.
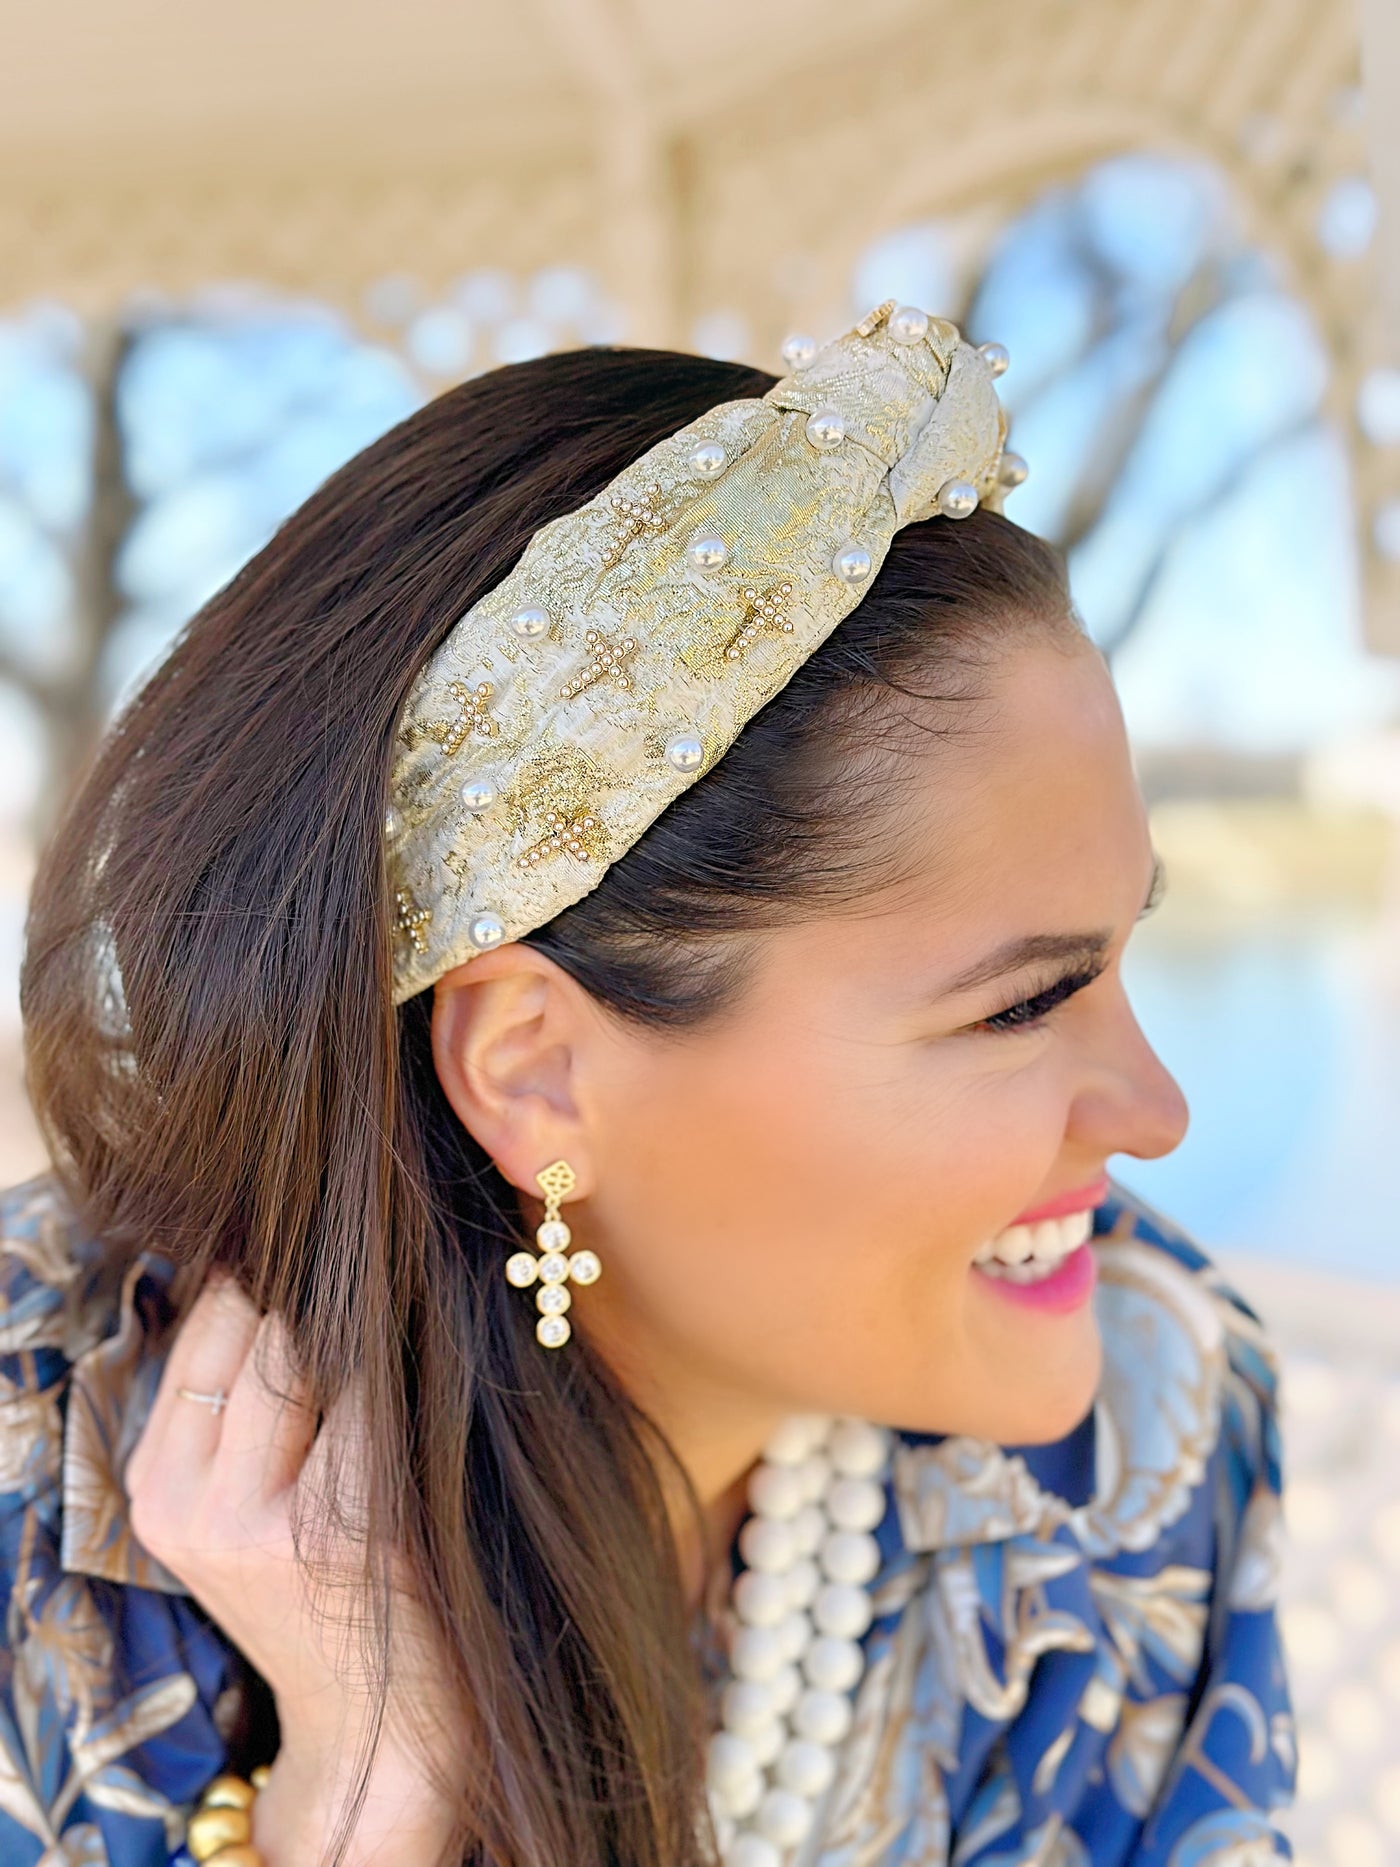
(802, 1604)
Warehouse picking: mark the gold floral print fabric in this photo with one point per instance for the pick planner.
(115, 1692)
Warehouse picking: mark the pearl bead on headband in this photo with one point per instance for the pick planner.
(636, 636)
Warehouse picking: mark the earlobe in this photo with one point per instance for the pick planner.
(507, 1042)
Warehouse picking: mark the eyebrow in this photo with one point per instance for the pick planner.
(1084, 949)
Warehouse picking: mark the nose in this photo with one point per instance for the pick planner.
(1129, 1102)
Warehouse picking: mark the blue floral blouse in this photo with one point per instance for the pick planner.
(1074, 1660)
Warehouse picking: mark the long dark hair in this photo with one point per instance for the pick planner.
(221, 1076)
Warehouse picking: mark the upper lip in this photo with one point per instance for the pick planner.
(1079, 1199)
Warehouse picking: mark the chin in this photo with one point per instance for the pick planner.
(1051, 1409)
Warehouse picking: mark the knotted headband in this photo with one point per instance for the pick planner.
(635, 637)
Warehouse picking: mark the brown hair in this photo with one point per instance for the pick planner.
(221, 1075)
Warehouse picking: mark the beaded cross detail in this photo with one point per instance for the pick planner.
(552, 1269)
(472, 716)
(872, 320)
(410, 919)
(579, 835)
(629, 518)
(765, 613)
(606, 659)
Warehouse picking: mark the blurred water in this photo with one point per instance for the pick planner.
(1284, 1034)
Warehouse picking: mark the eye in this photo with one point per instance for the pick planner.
(1029, 1012)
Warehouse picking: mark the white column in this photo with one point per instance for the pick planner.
(1380, 68)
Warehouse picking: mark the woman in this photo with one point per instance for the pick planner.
(646, 1395)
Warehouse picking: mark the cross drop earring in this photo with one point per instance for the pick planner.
(553, 1270)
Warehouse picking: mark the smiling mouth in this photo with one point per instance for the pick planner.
(1026, 1254)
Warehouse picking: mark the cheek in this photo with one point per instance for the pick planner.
(816, 1175)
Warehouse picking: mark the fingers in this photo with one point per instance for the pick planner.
(270, 1424)
(169, 1465)
(205, 1357)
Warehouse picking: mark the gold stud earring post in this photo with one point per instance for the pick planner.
(553, 1269)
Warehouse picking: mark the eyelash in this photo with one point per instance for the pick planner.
(1032, 1011)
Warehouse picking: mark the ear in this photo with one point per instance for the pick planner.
(513, 1040)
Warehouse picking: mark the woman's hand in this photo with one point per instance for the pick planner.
(213, 1495)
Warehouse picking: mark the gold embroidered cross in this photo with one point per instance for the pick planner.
(472, 716)
(606, 659)
(411, 919)
(765, 613)
(629, 519)
(578, 835)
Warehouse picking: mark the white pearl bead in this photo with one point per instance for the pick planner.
(760, 1600)
(783, 1817)
(842, 1609)
(706, 551)
(832, 1664)
(776, 1490)
(787, 1686)
(522, 1271)
(725, 1826)
(553, 1235)
(1013, 469)
(530, 620)
(584, 1268)
(794, 1634)
(850, 1556)
(553, 1331)
(815, 1475)
(826, 428)
(853, 565)
(809, 1526)
(757, 1653)
(767, 1741)
(998, 357)
(803, 1580)
(957, 499)
(478, 794)
(765, 1543)
(806, 1768)
(858, 1449)
(791, 1443)
(823, 1717)
(709, 459)
(486, 930)
(741, 1795)
(908, 324)
(855, 1503)
(729, 1760)
(752, 1851)
(798, 350)
(745, 1704)
(686, 751)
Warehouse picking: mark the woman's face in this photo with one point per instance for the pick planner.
(789, 1203)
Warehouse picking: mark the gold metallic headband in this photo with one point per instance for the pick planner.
(637, 636)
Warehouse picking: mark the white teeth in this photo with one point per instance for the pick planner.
(1015, 1244)
(1046, 1240)
(1025, 1253)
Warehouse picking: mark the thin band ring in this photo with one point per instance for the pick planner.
(218, 1400)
